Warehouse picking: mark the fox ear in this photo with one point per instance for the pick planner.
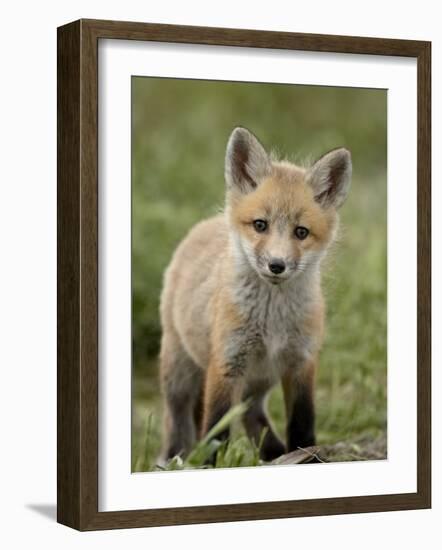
(330, 177)
(247, 162)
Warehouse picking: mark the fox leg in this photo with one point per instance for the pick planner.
(221, 389)
(256, 420)
(181, 381)
(298, 387)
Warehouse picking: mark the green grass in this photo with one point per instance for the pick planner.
(180, 130)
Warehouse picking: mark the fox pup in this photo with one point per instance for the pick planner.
(242, 307)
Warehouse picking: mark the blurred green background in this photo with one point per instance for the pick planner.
(179, 133)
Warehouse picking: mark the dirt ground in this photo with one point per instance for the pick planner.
(344, 451)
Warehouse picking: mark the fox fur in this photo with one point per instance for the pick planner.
(242, 307)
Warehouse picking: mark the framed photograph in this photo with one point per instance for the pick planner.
(243, 274)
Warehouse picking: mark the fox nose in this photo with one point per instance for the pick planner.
(276, 266)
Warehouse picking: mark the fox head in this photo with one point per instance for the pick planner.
(283, 217)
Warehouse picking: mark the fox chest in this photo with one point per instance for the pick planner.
(275, 336)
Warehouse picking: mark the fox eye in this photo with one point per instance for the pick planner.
(301, 232)
(260, 225)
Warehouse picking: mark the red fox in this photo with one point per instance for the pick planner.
(242, 307)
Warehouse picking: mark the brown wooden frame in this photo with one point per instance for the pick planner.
(77, 457)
